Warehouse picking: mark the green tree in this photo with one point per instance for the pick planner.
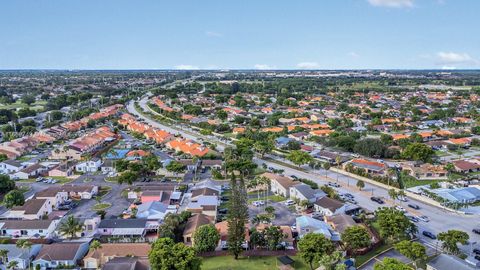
(6, 184)
(356, 237)
(4, 255)
(264, 147)
(127, 177)
(331, 261)
(12, 265)
(13, 198)
(206, 238)
(451, 238)
(390, 264)
(28, 99)
(392, 193)
(313, 246)
(393, 223)
(175, 166)
(237, 216)
(70, 227)
(222, 115)
(273, 237)
(95, 245)
(360, 184)
(418, 152)
(299, 157)
(168, 255)
(412, 250)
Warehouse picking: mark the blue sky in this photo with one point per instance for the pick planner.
(244, 34)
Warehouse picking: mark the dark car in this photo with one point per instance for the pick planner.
(429, 235)
(414, 219)
(64, 207)
(224, 198)
(223, 211)
(414, 206)
(476, 251)
(477, 231)
(377, 200)
(477, 257)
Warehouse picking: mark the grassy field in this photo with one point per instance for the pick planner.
(18, 105)
(252, 263)
(414, 182)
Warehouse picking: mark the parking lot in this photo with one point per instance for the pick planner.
(283, 215)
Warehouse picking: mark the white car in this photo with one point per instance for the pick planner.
(401, 209)
(258, 203)
(289, 202)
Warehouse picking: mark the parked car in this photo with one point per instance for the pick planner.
(477, 257)
(476, 251)
(332, 184)
(429, 235)
(477, 231)
(414, 219)
(223, 211)
(258, 203)
(377, 200)
(414, 206)
(289, 202)
(424, 218)
(293, 177)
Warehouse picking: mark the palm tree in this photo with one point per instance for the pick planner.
(95, 245)
(392, 193)
(71, 226)
(12, 265)
(4, 255)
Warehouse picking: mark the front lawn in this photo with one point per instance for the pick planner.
(251, 263)
(273, 198)
(361, 259)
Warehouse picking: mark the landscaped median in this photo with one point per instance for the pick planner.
(101, 206)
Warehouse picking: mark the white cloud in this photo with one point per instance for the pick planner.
(448, 68)
(449, 58)
(263, 66)
(308, 65)
(392, 3)
(213, 34)
(186, 67)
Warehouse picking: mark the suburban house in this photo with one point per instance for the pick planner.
(154, 210)
(123, 227)
(427, 171)
(306, 224)
(60, 255)
(21, 256)
(280, 184)
(32, 209)
(81, 191)
(192, 225)
(28, 229)
(206, 205)
(371, 167)
(304, 192)
(10, 166)
(55, 195)
(29, 172)
(129, 263)
(205, 191)
(95, 259)
(92, 165)
(464, 166)
(340, 222)
(64, 169)
(329, 207)
(461, 195)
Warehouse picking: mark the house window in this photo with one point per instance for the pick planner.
(23, 232)
(40, 231)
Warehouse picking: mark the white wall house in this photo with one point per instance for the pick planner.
(92, 165)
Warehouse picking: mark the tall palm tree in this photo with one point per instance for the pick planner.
(71, 226)
(392, 193)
